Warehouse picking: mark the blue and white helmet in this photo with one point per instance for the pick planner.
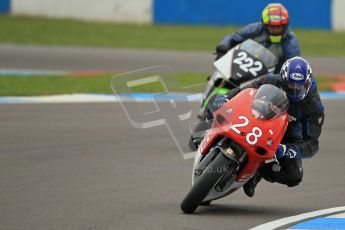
(297, 76)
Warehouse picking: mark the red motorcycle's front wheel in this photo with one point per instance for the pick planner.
(210, 176)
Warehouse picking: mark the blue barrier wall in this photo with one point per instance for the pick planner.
(5, 6)
(303, 13)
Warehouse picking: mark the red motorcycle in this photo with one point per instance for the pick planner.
(246, 132)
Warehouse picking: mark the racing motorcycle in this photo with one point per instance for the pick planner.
(240, 65)
(246, 132)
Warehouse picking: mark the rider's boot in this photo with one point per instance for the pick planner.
(249, 187)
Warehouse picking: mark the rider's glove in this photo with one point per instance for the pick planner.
(284, 151)
(221, 49)
(217, 101)
(280, 151)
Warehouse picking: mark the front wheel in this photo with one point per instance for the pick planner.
(210, 176)
(205, 203)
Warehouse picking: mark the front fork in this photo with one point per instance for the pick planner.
(225, 146)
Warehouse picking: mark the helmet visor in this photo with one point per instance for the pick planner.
(297, 91)
(276, 30)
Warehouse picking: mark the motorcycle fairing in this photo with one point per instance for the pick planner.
(241, 73)
(245, 62)
(233, 112)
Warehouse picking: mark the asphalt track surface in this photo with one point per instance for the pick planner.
(120, 60)
(83, 166)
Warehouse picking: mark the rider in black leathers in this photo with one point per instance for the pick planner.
(306, 117)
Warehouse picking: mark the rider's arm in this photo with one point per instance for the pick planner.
(217, 100)
(272, 79)
(231, 40)
(266, 79)
(311, 127)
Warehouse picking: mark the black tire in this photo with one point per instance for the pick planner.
(205, 203)
(205, 182)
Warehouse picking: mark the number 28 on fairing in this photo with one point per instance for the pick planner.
(253, 136)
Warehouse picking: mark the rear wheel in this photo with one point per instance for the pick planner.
(210, 176)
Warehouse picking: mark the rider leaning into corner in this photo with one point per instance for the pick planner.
(273, 32)
(306, 117)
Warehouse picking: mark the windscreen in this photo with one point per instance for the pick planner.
(269, 102)
(260, 52)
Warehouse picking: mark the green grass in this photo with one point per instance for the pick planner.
(50, 85)
(27, 30)
(42, 85)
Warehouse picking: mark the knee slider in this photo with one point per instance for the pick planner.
(292, 183)
(294, 178)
